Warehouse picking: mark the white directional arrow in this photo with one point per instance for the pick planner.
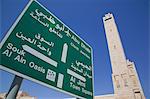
(64, 53)
(39, 55)
(76, 75)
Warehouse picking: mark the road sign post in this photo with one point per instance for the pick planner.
(41, 48)
(15, 86)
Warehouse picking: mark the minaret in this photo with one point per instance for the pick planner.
(125, 79)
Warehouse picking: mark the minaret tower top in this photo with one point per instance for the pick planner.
(117, 56)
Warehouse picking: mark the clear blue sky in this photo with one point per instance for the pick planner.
(85, 18)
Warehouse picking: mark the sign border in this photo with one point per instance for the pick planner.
(33, 79)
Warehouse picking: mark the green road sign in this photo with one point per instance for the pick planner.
(41, 48)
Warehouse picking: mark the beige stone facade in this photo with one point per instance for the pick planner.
(125, 78)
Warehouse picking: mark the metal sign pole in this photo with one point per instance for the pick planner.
(15, 86)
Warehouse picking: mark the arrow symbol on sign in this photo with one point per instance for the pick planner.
(64, 53)
(39, 55)
(76, 75)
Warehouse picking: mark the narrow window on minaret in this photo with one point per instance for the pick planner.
(117, 81)
(114, 46)
(134, 80)
(110, 30)
(124, 76)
